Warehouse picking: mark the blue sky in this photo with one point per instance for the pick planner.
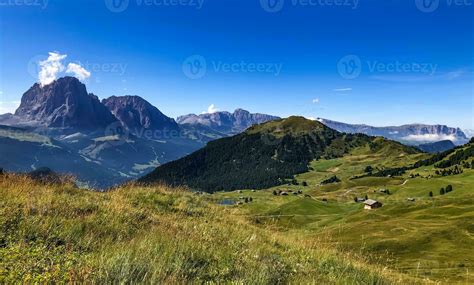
(374, 62)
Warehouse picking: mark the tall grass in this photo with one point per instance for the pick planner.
(58, 234)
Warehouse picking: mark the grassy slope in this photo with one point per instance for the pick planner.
(430, 238)
(151, 235)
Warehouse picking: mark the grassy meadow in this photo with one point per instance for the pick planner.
(428, 238)
(61, 234)
(136, 234)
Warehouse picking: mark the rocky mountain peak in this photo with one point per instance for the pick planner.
(136, 114)
(65, 103)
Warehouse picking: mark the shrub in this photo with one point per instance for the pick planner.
(449, 188)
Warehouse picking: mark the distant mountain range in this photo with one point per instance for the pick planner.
(414, 134)
(225, 122)
(65, 128)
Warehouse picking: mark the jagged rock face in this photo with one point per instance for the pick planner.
(413, 134)
(136, 114)
(64, 103)
(229, 123)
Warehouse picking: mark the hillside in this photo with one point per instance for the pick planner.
(437, 147)
(265, 155)
(60, 234)
(420, 235)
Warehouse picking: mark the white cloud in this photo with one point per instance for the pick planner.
(211, 109)
(430, 138)
(50, 68)
(8, 106)
(316, 101)
(311, 118)
(469, 133)
(78, 71)
(342, 89)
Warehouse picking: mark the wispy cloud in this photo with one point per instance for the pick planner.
(78, 71)
(409, 78)
(430, 138)
(211, 109)
(316, 101)
(342, 89)
(50, 68)
(53, 66)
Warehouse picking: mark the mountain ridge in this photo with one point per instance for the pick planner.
(136, 114)
(413, 134)
(226, 122)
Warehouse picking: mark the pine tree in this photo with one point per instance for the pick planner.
(431, 194)
(441, 192)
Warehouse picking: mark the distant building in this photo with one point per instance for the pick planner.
(372, 204)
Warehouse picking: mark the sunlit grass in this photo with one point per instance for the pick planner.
(132, 234)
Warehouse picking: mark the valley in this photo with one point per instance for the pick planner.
(412, 232)
(309, 223)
